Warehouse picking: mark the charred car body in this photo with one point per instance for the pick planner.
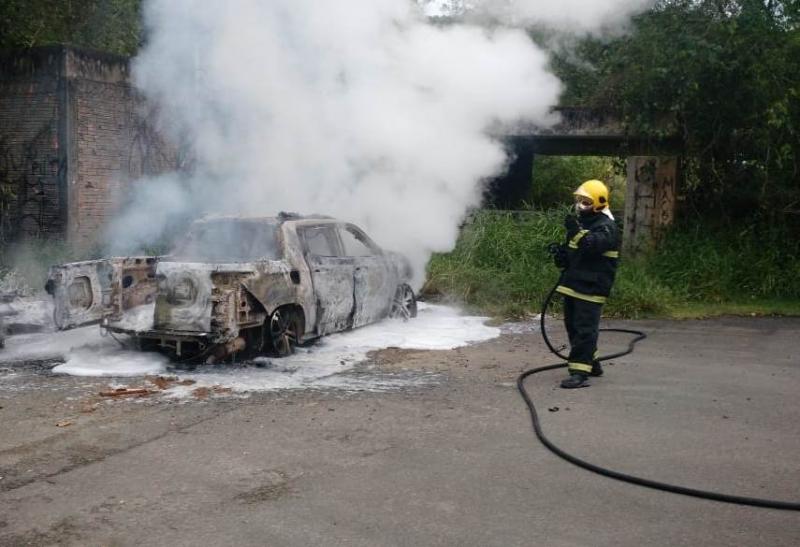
(236, 284)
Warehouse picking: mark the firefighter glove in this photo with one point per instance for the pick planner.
(571, 223)
(560, 256)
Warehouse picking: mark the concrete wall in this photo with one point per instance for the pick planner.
(77, 136)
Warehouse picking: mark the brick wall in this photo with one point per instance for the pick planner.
(115, 143)
(74, 138)
(32, 160)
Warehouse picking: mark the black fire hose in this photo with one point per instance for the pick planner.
(537, 428)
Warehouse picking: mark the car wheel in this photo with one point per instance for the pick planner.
(283, 332)
(404, 304)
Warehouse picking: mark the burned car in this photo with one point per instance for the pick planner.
(237, 285)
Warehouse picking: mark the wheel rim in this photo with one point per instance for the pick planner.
(403, 303)
(282, 333)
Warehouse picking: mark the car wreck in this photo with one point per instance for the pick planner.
(238, 285)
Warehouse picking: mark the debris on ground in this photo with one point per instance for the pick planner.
(126, 392)
(64, 423)
(161, 382)
(166, 382)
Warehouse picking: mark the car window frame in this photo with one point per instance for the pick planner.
(331, 235)
(360, 237)
(363, 238)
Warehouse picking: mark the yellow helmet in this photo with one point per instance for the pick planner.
(596, 191)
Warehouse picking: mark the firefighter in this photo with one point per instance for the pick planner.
(589, 262)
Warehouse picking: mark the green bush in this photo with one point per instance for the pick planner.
(500, 266)
(718, 263)
(500, 263)
(556, 177)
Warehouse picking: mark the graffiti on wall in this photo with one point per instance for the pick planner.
(30, 181)
(665, 193)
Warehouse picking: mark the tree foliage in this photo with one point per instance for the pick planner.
(556, 177)
(108, 25)
(728, 71)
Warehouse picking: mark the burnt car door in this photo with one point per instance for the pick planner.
(331, 276)
(374, 283)
(87, 292)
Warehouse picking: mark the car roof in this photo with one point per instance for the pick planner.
(279, 219)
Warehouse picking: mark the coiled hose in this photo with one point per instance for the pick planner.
(537, 428)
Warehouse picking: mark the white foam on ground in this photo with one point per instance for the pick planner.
(55, 345)
(87, 353)
(110, 362)
(528, 326)
(321, 366)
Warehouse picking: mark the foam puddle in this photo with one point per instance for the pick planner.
(323, 365)
(328, 363)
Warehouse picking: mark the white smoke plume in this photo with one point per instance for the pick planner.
(573, 16)
(360, 109)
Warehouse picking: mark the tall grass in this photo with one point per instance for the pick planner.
(715, 263)
(500, 266)
(500, 263)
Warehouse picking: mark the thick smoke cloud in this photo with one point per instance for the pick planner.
(574, 16)
(360, 109)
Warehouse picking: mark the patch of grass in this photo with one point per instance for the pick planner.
(638, 294)
(500, 267)
(754, 308)
(500, 264)
(704, 262)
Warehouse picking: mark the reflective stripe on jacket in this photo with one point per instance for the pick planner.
(592, 268)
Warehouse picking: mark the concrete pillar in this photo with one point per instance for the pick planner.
(649, 201)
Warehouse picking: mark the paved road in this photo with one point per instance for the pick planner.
(708, 404)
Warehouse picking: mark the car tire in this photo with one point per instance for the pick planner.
(404, 304)
(282, 331)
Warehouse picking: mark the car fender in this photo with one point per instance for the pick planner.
(277, 284)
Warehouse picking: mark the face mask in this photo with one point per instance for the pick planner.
(583, 208)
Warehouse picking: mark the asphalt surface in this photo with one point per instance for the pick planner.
(706, 404)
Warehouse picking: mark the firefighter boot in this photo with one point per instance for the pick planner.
(575, 379)
(597, 369)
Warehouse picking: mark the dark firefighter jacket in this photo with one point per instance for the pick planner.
(592, 251)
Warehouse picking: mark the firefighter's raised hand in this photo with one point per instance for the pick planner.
(597, 241)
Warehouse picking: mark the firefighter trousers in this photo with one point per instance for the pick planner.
(582, 320)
